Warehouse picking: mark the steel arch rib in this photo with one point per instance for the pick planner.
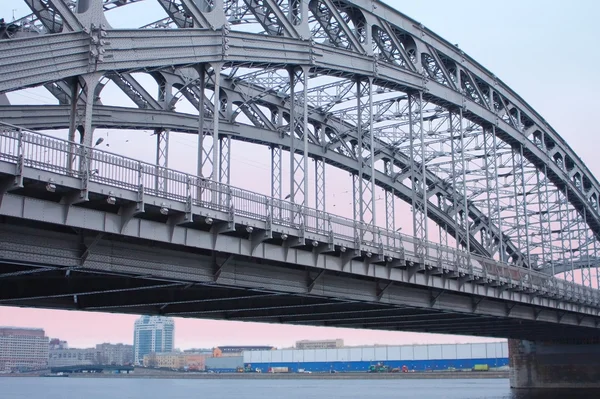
(53, 57)
(279, 61)
(33, 61)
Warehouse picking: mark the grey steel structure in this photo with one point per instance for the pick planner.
(349, 84)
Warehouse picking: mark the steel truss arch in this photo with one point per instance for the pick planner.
(376, 43)
(44, 117)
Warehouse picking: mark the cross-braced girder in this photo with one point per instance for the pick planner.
(455, 142)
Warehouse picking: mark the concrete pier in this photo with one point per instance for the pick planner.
(573, 364)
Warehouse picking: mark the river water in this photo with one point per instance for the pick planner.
(137, 388)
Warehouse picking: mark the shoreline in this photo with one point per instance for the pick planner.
(293, 376)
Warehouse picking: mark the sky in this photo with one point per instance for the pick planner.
(545, 50)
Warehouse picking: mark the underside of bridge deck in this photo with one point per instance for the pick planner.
(93, 278)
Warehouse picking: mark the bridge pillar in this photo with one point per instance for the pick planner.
(569, 364)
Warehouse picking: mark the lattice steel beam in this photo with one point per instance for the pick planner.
(320, 187)
(298, 125)
(209, 158)
(459, 207)
(363, 184)
(276, 172)
(564, 233)
(162, 159)
(584, 241)
(225, 159)
(520, 203)
(544, 220)
(418, 172)
(390, 205)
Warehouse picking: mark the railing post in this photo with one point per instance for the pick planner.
(400, 242)
(380, 243)
(269, 213)
(295, 211)
(330, 230)
(156, 174)
(20, 160)
(229, 199)
(84, 170)
(188, 197)
(302, 228)
(201, 188)
(140, 179)
(166, 178)
(356, 236)
(71, 157)
(231, 208)
(457, 259)
(220, 193)
(214, 192)
(470, 264)
(206, 191)
(140, 191)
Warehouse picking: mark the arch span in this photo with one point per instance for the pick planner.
(360, 87)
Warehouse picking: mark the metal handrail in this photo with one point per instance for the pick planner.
(28, 148)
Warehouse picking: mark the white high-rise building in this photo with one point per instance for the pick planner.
(152, 334)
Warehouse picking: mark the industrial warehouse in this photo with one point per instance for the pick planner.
(406, 358)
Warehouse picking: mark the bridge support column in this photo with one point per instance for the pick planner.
(539, 365)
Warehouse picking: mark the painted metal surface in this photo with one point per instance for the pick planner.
(353, 85)
(181, 257)
(82, 168)
(386, 74)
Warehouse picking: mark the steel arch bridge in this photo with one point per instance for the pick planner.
(351, 84)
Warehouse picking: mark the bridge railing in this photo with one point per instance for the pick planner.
(26, 148)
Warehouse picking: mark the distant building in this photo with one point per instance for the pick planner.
(320, 344)
(72, 357)
(115, 354)
(23, 349)
(225, 351)
(152, 334)
(56, 343)
(433, 357)
(176, 361)
(227, 364)
(201, 351)
(195, 361)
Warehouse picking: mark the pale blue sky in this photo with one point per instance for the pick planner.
(546, 51)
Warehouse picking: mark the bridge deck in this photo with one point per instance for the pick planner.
(85, 229)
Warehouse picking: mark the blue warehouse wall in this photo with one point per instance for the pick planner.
(414, 365)
(355, 359)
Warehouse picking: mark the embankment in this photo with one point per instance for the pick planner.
(315, 376)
